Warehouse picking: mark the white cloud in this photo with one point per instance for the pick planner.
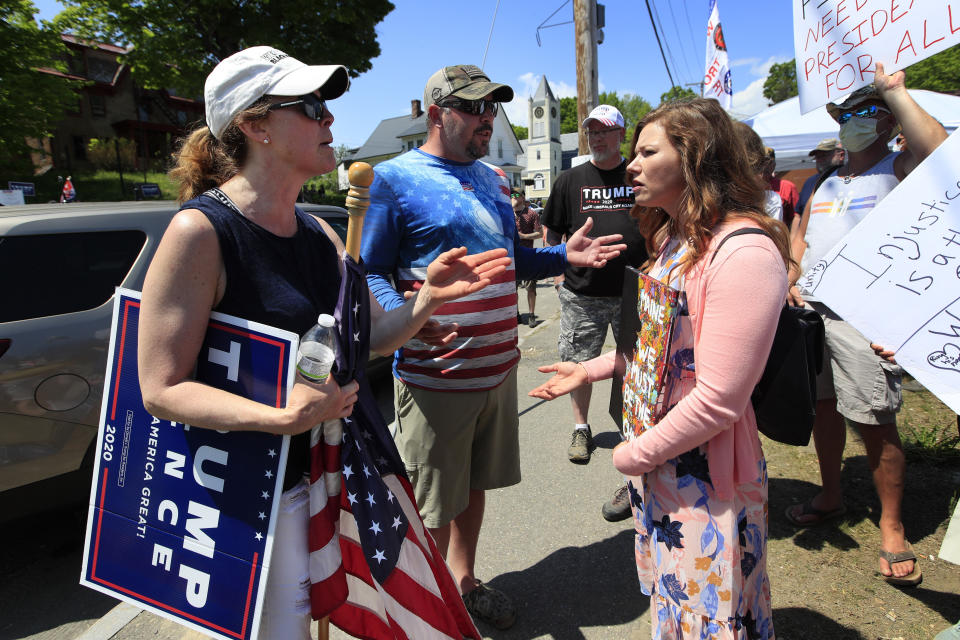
(759, 68)
(749, 101)
(524, 87)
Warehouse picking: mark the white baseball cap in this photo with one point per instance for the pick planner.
(607, 115)
(248, 75)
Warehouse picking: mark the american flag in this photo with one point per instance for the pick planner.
(374, 568)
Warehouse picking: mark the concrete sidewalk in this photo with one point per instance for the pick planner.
(544, 541)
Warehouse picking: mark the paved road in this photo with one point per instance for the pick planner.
(544, 541)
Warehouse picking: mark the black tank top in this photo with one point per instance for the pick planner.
(281, 282)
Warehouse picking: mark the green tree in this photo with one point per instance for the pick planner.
(176, 44)
(781, 82)
(633, 107)
(940, 72)
(31, 102)
(568, 115)
(677, 92)
(521, 132)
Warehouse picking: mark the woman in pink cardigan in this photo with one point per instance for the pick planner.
(698, 479)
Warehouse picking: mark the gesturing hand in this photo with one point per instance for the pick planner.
(584, 251)
(570, 375)
(455, 274)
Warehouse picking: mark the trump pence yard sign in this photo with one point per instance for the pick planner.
(181, 518)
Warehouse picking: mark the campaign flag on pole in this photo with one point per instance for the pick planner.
(68, 194)
(374, 568)
(716, 80)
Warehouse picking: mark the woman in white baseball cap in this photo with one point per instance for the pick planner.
(240, 245)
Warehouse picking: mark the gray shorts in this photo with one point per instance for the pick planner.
(867, 387)
(455, 441)
(583, 324)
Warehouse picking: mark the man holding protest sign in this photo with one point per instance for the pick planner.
(866, 388)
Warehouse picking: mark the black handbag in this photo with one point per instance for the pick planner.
(785, 398)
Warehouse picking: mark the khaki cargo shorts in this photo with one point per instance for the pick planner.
(867, 387)
(455, 441)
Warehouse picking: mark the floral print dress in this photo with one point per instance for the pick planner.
(702, 559)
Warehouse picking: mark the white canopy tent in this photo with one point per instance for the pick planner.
(793, 135)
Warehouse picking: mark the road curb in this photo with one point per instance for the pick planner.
(112, 622)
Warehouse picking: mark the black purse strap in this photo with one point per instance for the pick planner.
(739, 232)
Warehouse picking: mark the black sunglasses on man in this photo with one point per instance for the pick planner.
(473, 107)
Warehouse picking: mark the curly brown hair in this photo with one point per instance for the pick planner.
(720, 182)
(204, 162)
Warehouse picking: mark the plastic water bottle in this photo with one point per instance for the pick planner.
(317, 350)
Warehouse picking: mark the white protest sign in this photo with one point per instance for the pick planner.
(896, 276)
(836, 42)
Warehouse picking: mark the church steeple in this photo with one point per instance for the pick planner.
(543, 140)
(544, 113)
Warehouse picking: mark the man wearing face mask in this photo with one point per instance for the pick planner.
(855, 383)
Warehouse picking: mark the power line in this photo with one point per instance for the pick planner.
(690, 32)
(492, 22)
(654, 25)
(666, 41)
(683, 49)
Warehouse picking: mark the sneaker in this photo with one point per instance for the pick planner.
(491, 606)
(531, 320)
(618, 508)
(580, 446)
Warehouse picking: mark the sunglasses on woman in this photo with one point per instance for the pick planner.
(473, 107)
(870, 111)
(313, 107)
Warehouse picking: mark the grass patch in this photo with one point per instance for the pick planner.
(99, 186)
(104, 186)
(928, 429)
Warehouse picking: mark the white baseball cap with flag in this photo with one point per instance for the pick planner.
(248, 75)
(610, 116)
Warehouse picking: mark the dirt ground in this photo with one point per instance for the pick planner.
(824, 579)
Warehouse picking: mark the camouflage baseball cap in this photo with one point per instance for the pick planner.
(465, 81)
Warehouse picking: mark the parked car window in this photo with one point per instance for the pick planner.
(52, 274)
(339, 225)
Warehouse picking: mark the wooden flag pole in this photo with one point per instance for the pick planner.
(358, 199)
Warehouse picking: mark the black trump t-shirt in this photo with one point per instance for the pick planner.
(588, 192)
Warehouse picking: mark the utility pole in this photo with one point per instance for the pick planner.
(585, 30)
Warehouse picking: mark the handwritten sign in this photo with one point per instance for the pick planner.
(647, 316)
(837, 42)
(896, 276)
(181, 519)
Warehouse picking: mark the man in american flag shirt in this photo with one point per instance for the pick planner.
(455, 383)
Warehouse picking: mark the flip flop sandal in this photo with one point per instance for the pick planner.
(819, 515)
(911, 579)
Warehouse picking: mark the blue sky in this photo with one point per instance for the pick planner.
(420, 36)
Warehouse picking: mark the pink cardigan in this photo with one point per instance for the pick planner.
(734, 306)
